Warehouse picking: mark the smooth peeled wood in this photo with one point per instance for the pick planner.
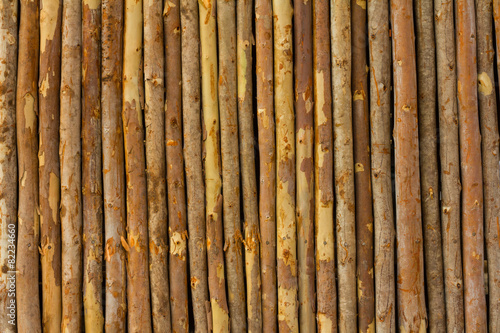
(136, 245)
(226, 22)
(491, 154)
(8, 158)
(244, 61)
(288, 306)
(48, 161)
(267, 160)
(195, 188)
(304, 163)
(175, 170)
(212, 166)
(362, 174)
(449, 163)
(410, 257)
(154, 63)
(470, 162)
(429, 170)
(70, 155)
(27, 256)
(323, 170)
(113, 162)
(91, 168)
(340, 20)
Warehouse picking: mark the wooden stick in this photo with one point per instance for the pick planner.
(450, 164)
(115, 215)
(245, 41)
(304, 140)
(288, 317)
(175, 170)
(91, 167)
(491, 154)
(429, 173)
(363, 190)
(8, 161)
(71, 172)
(323, 170)
(212, 166)
(267, 161)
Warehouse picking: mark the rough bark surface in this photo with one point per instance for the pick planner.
(410, 257)
(71, 173)
(429, 172)
(491, 154)
(470, 161)
(323, 170)
(344, 163)
(195, 188)
(363, 190)
(267, 161)
(115, 215)
(175, 170)
(450, 164)
(288, 307)
(92, 167)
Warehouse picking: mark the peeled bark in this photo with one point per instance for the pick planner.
(113, 166)
(267, 161)
(226, 19)
(71, 172)
(304, 140)
(136, 245)
(429, 172)
(323, 170)
(450, 164)
(195, 188)
(244, 62)
(288, 306)
(91, 168)
(27, 260)
(363, 190)
(470, 161)
(212, 166)
(48, 160)
(154, 63)
(175, 170)
(410, 257)
(344, 163)
(491, 154)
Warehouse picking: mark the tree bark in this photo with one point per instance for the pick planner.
(410, 257)
(48, 160)
(197, 247)
(212, 166)
(491, 155)
(344, 163)
(27, 288)
(304, 140)
(363, 190)
(154, 63)
(429, 173)
(450, 164)
(136, 245)
(175, 170)
(8, 159)
(288, 307)
(323, 170)
(113, 166)
(71, 172)
(267, 160)
(91, 167)
(245, 41)
(470, 161)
